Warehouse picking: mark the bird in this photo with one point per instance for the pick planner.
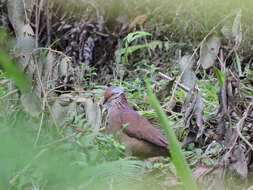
(137, 134)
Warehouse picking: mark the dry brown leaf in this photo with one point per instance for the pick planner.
(233, 30)
(192, 110)
(28, 31)
(31, 104)
(240, 164)
(236, 161)
(139, 20)
(93, 113)
(47, 71)
(210, 178)
(188, 77)
(237, 29)
(227, 31)
(201, 172)
(60, 111)
(63, 67)
(209, 51)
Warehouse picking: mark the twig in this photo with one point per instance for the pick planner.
(60, 140)
(37, 21)
(70, 136)
(43, 104)
(185, 88)
(52, 50)
(4, 81)
(240, 125)
(8, 94)
(13, 179)
(40, 126)
(100, 129)
(238, 129)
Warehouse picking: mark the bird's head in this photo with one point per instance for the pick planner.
(111, 93)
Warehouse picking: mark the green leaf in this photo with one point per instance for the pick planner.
(146, 113)
(51, 46)
(178, 159)
(238, 64)
(14, 72)
(134, 35)
(247, 92)
(220, 75)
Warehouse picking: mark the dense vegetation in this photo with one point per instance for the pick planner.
(57, 57)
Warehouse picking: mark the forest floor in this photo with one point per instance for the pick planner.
(196, 54)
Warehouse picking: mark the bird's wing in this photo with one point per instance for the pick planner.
(139, 127)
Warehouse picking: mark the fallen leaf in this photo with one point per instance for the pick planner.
(31, 104)
(209, 51)
(139, 20)
(237, 30)
(93, 113)
(27, 30)
(60, 111)
(188, 76)
(236, 161)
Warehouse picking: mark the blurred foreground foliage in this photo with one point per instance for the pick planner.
(64, 165)
(67, 160)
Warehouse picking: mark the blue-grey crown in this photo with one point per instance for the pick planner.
(117, 90)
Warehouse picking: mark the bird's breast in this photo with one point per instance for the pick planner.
(114, 120)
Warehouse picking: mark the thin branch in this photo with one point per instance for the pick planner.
(185, 88)
(8, 94)
(13, 179)
(240, 125)
(52, 50)
(60, 140)
(43, 104)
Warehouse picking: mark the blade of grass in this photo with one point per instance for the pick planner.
(220, 75)
(238, 64)
(178, 159)
(14, 72)
(50, 46)
(10, 68)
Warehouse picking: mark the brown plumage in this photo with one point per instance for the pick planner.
(138, 135)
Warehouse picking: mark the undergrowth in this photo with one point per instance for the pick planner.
(74, 155)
